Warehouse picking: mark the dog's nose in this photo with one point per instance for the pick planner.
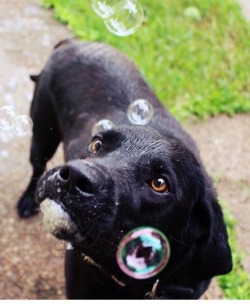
(76, 180)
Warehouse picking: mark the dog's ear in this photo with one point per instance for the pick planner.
(213, 254)
(64, 42)
(34, 78)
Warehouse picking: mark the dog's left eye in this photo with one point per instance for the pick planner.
(95, 145)
(159, 185)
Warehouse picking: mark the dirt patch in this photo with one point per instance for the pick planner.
(31, 261)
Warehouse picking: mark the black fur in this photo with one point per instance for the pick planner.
(108, 193)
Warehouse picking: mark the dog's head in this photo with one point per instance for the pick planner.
(130, 177)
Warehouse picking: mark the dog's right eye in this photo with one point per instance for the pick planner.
(159, 185)
(95, 145)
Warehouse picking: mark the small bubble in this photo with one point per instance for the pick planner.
(58, 190)
(22, 125)
(126, 19)
(7, 117)
(102, 125)
(143, 252)
(103, 8)
(140, 112)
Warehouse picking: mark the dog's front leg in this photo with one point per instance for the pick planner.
(45, 140)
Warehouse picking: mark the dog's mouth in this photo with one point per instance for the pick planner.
(57, 221)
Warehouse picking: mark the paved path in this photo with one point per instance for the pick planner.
(31, 261)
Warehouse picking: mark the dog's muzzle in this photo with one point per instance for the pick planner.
(71, 197)
(55, 219)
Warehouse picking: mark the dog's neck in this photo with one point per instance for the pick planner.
(157, 290)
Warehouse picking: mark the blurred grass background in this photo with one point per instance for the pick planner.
(196, 62)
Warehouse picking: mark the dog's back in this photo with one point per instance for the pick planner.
(90, 81)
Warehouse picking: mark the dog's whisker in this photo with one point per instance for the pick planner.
(98, 217)
(92, 245)
(182, 243)
(89, 231)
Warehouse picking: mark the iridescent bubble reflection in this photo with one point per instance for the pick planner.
(143, 253)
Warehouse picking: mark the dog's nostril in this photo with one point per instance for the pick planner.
(75, 180)
(84, 185)
(64, 173)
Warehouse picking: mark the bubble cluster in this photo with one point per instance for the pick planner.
(121, 17)
(20, 125)
(140, 112)
(143, 253)
(102, 125)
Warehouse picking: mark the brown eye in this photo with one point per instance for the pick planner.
(95, 145)
(159, 185)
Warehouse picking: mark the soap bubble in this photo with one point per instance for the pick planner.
(143, 253)
(103, 8)
(126, 18)
(22, 125)
(140, 112)
(102, 125)
(7, 116)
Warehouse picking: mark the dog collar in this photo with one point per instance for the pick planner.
(156, 292)
(91, 262)
(149, 295)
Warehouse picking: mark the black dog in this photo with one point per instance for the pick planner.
(123, 178)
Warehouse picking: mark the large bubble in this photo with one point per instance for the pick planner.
(140, 112)
(7, 117)
(143, 253)
(103, 8)
(102, 125)
(126, 18)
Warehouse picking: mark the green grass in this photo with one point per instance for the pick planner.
(236, 284)
(197, 66)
